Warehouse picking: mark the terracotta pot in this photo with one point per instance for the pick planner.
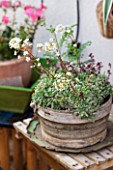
(66, 130)
(108, 33)
(15, 71)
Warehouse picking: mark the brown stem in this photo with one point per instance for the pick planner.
(62, 64)
(43, 69)
(59, 57)
(73, 88)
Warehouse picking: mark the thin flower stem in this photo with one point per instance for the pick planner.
(43, 69)
(59, 57)
(72, 88)
(72, 39)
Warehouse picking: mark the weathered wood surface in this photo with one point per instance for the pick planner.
(100, 160)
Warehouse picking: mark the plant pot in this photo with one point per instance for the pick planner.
(66, 130)
(15, 72)
(108, 33)
(110, 18)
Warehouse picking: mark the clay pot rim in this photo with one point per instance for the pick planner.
(12, 61)
(65, 117)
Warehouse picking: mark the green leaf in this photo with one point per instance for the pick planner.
(106, 10)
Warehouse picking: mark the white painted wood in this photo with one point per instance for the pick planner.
(68, 161)
(106, 154)
(85, 161)
(95, 157)
(26, 121)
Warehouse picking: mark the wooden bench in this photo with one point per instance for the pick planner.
(39, 158)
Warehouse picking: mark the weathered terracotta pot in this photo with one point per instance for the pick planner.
(66, 130)
(16, 69)
(108, 33)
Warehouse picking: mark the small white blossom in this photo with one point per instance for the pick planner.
(15, 43)
(59, 28)
(75, 45)
(50, 46)
(37, 59)
(19, 57)
(28, 59)
(26, 41)
(32, 66)
(51, 40)
(68, 73)
(15, 52)
(40, 47)
(68, 31)
(39, 64)
(25, 53)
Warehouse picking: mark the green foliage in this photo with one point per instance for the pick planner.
(66, 82)
(82, 94)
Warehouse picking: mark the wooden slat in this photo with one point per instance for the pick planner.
(43, 165)
(18, 150)
(95, 157)
(69, 162)
(106, 154)
(110, 148)
(31, 157)
(82, 159)
(4, 149)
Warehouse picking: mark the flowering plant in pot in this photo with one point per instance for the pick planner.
(71, 96)
(10, 27)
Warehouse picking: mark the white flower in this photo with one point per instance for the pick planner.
(19, 57)
(25, 53)
(50, 46)
(59, 28)
(37, 59)
(15, 52)
(51, 40)
(68, 73)
(39, 64)
(40, 47)
(26, 41)
(28, 59)
(15, 43)
(75, 45)
(32, 66)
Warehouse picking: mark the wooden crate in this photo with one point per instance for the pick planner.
(50, 160)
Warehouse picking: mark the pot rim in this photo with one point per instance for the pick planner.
(65, 117)
(12, 61)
